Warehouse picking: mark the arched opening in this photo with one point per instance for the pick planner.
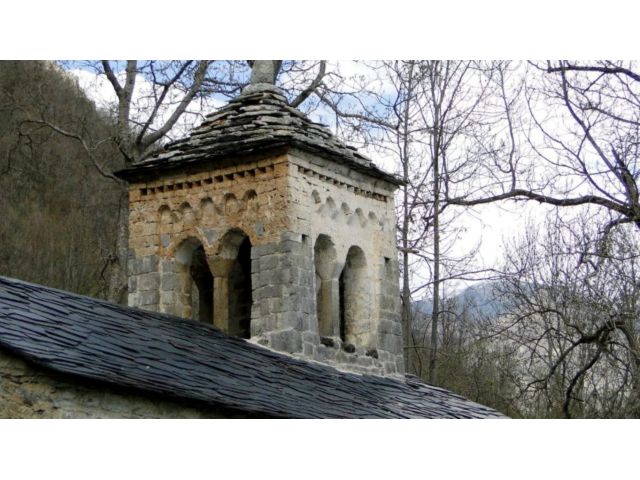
(195, 294)
(354, 298)
(240, 292)
(202, 287)
(326, 294)
(233, 284)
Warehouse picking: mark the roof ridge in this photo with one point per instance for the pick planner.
(167, 355)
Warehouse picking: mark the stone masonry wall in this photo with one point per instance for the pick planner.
(200, 207)
(353, 211)
(282, 204)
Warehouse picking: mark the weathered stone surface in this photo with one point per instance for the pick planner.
(169, 281)
(259, 171)
(286, 340)
(148, 281)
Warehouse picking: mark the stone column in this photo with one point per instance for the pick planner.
(220, 269)
(329, 306)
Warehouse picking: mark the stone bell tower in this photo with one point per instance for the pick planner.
(264, 224)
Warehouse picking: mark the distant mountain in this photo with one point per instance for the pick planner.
(478, 299)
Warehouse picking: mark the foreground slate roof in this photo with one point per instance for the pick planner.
(259, 119)
(184, 359)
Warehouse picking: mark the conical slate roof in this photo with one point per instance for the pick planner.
(259, 119)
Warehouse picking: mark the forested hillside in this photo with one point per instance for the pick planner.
(58, 212)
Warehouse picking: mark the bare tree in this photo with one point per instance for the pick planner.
(453, 92)
(572, 309)
(418, 113)
(585, 120)
(152, 97)
(58, 212)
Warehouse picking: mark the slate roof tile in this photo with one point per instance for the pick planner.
(93, 339)
(252, 122)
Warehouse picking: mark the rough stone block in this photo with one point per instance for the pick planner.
(311, 337)
(168, 298)
(148, 281)
(296, 237)
(169, 281)
(132, 299)
(134, 266)
(365, 361)
(149, 264)
(261, 250)
(268, 262)
(288, 246)
(282, 276)
(308, 350)
(390, 368)
(274, 291)
(167, 266)
(385, 326)
(286, 341)
(148, 298)
(325, 353)
(391, 343)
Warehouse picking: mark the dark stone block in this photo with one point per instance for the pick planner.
(349, 347)
(327, 342)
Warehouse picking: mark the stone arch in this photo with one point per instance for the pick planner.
(232, 281)
(231, 204)
(355, 321)
(250, 201)
(207, 210)
(332, 210)
(194, 296)
(358, 218)
(325, 261)
(316, 196)
(373, 218)
(164, 214)
(346, 209)
(164, 219)
(328, 208)
(187, 215)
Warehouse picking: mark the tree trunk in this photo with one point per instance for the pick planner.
(407, 327)
(118, 264)
(435, 315)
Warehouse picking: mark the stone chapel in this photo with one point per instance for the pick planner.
(264, 224)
